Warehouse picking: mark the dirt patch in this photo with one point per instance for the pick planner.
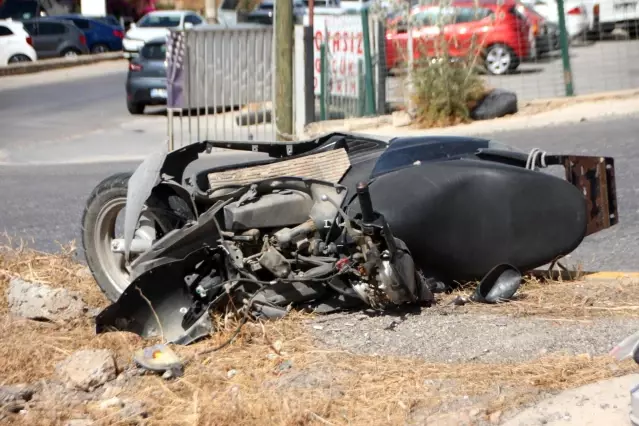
(532, 114)
(279, 371)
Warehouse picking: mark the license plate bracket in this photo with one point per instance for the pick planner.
(595, 178)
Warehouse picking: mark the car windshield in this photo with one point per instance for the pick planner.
(159, 21)
(154, 51)
(109, 20)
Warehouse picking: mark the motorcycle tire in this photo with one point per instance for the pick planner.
(168, 212)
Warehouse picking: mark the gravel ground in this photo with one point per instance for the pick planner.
(439, 336)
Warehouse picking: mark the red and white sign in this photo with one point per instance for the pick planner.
(344, 48)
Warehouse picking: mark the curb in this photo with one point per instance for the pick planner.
(400, 123)
(57, 63)
(611, 275)
(593, 97)
(585, 275)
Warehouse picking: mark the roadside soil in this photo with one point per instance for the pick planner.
(444, 364)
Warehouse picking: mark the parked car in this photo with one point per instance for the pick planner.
(263, 13)
(146, 78)
(545, 33)
(16, 45)
(156, 24)
(54, 38)
(606, 15)
(101, 37)
(575, 15)
(502, 34)
(109, 20)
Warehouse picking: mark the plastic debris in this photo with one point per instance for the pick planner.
(160, 358)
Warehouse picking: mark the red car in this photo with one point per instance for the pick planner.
(500, 31)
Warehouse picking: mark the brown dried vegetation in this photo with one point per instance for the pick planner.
(275, 371)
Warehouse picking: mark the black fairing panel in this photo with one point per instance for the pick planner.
(404, 151)
(361, 167)
(461, 218)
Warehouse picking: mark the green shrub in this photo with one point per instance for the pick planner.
(444, 92)
(444, 89)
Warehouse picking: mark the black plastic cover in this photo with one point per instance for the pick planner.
(405, 151)
(461, 218)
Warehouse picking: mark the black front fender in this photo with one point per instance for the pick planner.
(165, 188)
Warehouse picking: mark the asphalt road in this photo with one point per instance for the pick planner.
(49, 112)
(77, 116)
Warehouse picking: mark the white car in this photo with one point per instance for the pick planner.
(15, 43)
(575, 15)
(157, 24)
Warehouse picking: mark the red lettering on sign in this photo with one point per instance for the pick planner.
(336, 39)
(344, 48)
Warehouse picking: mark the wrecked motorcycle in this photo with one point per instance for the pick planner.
(339, 221)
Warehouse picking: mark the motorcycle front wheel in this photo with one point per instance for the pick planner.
(162, 213)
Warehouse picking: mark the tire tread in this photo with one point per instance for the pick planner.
(177, 212)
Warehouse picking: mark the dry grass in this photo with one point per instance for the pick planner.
(274, 371)
(58, 270)
(564, 300)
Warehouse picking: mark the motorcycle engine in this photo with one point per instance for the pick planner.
(283, 235)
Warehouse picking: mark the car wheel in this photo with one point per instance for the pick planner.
(19, 58)
(499, 58)
(135, 108)
(99, 48)
(70, 53)
(514, 64)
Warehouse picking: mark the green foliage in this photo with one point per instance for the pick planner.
(445, 91)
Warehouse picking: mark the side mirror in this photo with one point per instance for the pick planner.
(132, 25)
(188, 25)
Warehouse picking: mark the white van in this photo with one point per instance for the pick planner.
(576, 15)
(606, 15)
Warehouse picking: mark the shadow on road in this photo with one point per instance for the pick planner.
(162, 111)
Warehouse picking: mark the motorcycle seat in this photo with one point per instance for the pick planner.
(463, 217)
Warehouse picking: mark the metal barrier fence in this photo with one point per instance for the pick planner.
(341, 68)
(602, 52)
(220, 84)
